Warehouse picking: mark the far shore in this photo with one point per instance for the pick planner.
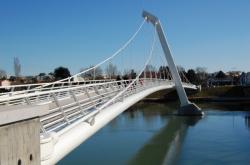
(203, 99)
(236, 94)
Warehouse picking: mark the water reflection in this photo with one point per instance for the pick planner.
(165, 146)
(229, 108)
(226, 106)
(150, 134)
(145, 115)
(247, 121)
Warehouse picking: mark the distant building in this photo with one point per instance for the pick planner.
(245, 79)
(105, 76)
(5, 83)
(220, 79)
(77, 79)
(234, 73)
(220, 82)
(44, 78)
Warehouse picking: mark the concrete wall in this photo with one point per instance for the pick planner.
(19, 144)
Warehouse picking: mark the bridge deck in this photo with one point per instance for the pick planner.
(78, 111)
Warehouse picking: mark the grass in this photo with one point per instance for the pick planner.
(223, 91)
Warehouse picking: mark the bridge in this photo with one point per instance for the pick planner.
(78, 109)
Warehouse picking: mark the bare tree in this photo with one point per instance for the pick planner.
(191, 76)
(3, 74)
(93, 73)
(182, 73)
(130, 73)
(111, 70)
(17, 67)
(149, 71)
(180, 68)
(202, 75)
(164, 72)
(201, 69)
(150, 68)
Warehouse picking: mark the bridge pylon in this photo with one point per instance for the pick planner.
(187, 108)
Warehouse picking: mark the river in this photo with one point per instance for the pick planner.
(149, 134)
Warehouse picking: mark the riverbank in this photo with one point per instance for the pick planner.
(216, 94)
(223, 94)
(221, 99)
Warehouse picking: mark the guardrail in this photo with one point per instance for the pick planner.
(86, 102)
(73, 102)
(27, 88)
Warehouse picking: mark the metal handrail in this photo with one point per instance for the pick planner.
(40, 92)
(86, 102)
(43, 86)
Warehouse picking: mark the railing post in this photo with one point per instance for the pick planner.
(60, 108)
(77, 102)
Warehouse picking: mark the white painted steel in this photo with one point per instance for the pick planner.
(77, 133)
(28, 88)
(65, 109)
(172, 67)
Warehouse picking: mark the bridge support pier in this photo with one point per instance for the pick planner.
(20, 134)
(190, 109)
(187, 108)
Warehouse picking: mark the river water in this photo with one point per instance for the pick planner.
(149, 134)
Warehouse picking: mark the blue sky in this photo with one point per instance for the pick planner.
(46, 34)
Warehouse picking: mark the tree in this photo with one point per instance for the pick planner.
(164, 72)
(161, 71)
(61, 73)
(132, 74)
(201, 74)
(97, 72)
(17, 67)
(182, 73)
(168, 73)
(111, 70)
(42, 74)
(180, 68)
(220, 75)
(149, 71)
(191, 76)
(150, 68)
(51, 73)
(3, 74)
(12, 78)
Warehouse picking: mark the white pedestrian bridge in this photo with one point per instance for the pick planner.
(78, 109)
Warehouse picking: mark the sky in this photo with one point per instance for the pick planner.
(46, 34)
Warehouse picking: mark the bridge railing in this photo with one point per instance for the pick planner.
(83, 101)
(43, 94)
(189, 85)
(86, 105)
(28, 88)
(74, 102)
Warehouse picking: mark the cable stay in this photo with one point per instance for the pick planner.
(137, 77)
(107, 59)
